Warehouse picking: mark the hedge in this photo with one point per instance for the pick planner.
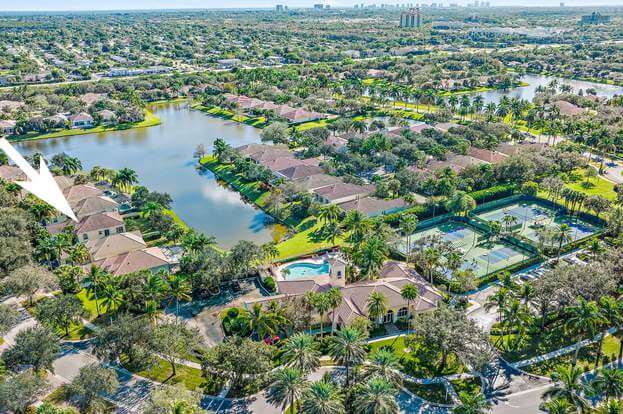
(426, 211)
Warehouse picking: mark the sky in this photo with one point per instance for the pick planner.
(57, 5)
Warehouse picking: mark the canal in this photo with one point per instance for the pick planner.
(162, 157)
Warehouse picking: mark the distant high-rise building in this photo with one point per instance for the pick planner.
(318, 6)
(595, 18)
(476, 3)
(411, 18)
(562, 4)
(279, 7)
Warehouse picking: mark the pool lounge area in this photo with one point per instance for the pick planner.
(304, 269)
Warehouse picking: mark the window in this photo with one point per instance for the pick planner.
(119, 229)
(402, 313)
(389, 317)
(85, 236)
(106, 232)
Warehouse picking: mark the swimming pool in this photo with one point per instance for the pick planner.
(301, 270)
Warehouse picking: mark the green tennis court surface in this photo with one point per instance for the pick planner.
(527, 218)
(480, 255)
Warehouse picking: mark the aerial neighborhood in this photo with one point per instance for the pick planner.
(313, 208)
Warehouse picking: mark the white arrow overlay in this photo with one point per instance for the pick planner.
(42, 183)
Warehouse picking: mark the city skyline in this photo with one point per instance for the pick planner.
(87, 5)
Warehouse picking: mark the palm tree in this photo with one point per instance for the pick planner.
(612, 312)
(563, 236)
(178, 289)
(71, 165)
(558, 406)
(472, 404)
(42, 211)
(609, 384)
(583, 319)
(300, 351)
(568, 386)
(287, 388)
(329, 213)
(408, 225)
(322, 397)
(376, 306)
(220, 148)
(270, 250)
(371, 255)
(112, 298)
(62, 241)
(348, 348)
(356, 223)
(259, 322)
(93, 281)
(611, 407)
(384, 363)
(321, 303)
(194, 242)
(377, 396)
(409, 292)
(334, 296)
(79, 254)
(124, 178)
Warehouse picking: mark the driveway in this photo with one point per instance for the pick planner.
(484, 318)
(524, 402)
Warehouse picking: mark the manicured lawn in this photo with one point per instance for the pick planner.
(88, 302)
(435, 393)
(150, 120)
(190, 377)
(226, 172)
(176, 218)
(304, 241)
(257, 122)
(586, 358)
(419, 361)
(599, 186)
(312, 124)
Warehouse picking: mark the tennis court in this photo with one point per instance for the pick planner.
(481, 256)
(528, 218)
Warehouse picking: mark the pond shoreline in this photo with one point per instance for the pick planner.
(149, 121)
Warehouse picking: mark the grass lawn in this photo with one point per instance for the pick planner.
(312, 124)
(586, 358)
(435, 393)
(419, 361)
(258, 122)
(150, 120)
(598, 186)
(226, 172)
(88, 302)
(304, 241)
(176, 218)
(161, 372)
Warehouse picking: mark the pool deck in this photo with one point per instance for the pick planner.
(318, 260)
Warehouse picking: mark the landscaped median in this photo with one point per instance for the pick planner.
(149, 121)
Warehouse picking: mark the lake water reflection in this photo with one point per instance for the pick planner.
(162, 158)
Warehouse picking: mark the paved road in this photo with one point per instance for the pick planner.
(525, 402)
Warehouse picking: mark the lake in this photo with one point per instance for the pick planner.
(534, 81)
(162, 157)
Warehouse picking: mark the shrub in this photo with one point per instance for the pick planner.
(270, 285)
